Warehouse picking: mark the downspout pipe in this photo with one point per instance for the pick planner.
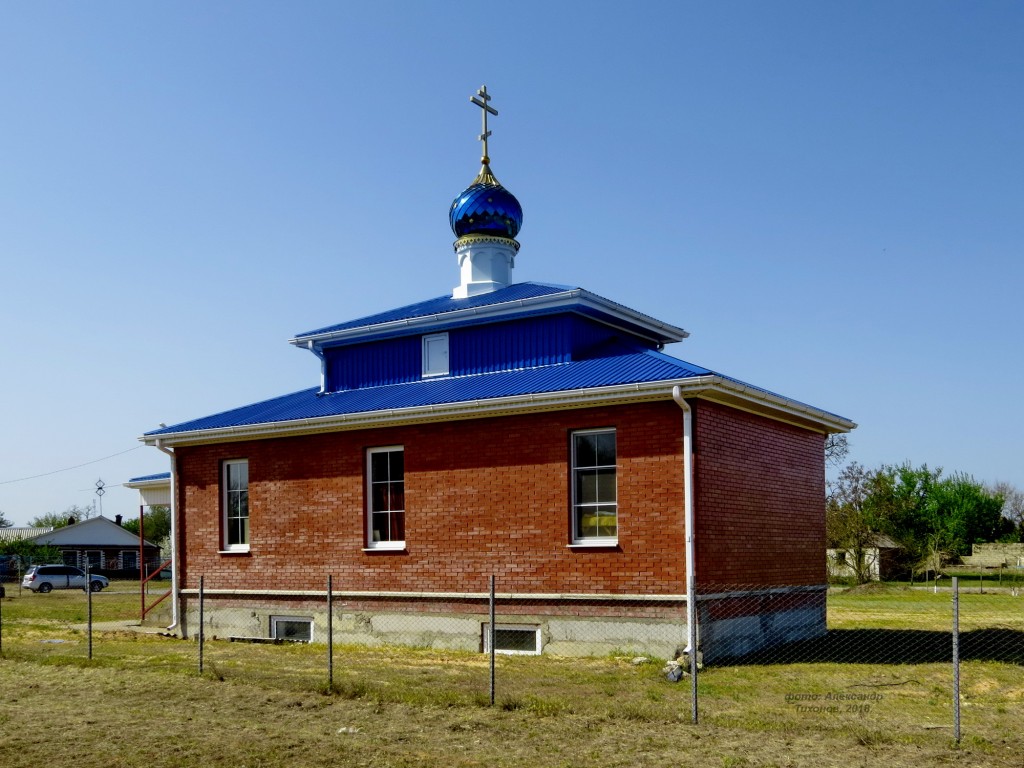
(175, 590)
(691, 564)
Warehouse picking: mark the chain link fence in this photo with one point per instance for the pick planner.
(880, 660)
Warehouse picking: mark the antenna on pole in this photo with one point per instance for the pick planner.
(100, 485)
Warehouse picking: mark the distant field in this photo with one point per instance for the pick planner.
(263, 706)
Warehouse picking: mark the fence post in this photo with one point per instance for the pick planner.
(490, 633)
(88, 592)
(1, 619)
(330, 632)
(956, 659)
(202, 619)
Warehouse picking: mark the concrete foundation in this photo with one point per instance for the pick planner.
(729, 624)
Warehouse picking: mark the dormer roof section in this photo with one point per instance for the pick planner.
(515, 301)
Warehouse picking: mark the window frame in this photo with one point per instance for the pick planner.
(428, 370)
(525, 628)
(370, 542)
(577, 539)
(128, 554)
(276, 619)
(227, 545)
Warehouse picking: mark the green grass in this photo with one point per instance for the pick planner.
(270, 705)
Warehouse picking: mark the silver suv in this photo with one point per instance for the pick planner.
(43, 578)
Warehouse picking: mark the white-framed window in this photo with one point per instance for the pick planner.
(69, 557)
(595, 508)
(297, 629)
(129, 559)
(235, 490)
(385, 497)
(435, 354)
(94, 559)
(512, 639)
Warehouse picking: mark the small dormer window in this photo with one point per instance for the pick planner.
(435, 355)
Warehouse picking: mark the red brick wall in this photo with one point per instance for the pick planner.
(759, 500)
(490, 496)
(483, 496)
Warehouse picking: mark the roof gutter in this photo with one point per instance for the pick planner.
(175, 570)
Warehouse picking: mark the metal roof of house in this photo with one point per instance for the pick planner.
(445, 304)
(516, 300)
(10, 535)
(310, 403)
(98, 531)
(586, 380)
(150, 478)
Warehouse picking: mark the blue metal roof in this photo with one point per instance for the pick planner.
(443, 304)
(627, 368)
(148, 478)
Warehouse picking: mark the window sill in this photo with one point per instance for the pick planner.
(604, 544)
(233, 551)
(394, 550)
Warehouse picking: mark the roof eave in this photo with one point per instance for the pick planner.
(710, 387)
(656, 330)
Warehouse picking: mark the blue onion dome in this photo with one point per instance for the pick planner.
(486, 208)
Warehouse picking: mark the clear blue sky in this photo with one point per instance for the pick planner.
(828, 196)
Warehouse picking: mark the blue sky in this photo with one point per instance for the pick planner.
(826, 195)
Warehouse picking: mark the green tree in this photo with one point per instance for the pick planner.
(4, 522)
(29, 553)
(964, 512)
(934, 518)
(157, 524)
(850, 525)
(60, 519)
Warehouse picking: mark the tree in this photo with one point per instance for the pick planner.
(1013, 508)
(934, 518)
(157, 524)
(837, 448)
(60, 519)
(850, 525)
(28, 553)
(964, 512)
(4, 522)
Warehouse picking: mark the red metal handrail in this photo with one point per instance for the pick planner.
(142, 590)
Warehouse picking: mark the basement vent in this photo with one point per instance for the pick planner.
(512, 638)
(297, 630)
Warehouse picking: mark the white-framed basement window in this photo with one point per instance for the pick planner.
(514, 639)
(296, 629)
(435, 355)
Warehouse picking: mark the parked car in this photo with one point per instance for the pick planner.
(43, 578)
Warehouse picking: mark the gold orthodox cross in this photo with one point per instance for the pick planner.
(481, 100)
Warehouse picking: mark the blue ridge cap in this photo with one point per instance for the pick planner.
(443, 304)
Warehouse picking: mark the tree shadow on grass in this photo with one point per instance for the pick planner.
(892, 646)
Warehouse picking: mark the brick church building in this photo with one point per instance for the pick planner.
(533, 432)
